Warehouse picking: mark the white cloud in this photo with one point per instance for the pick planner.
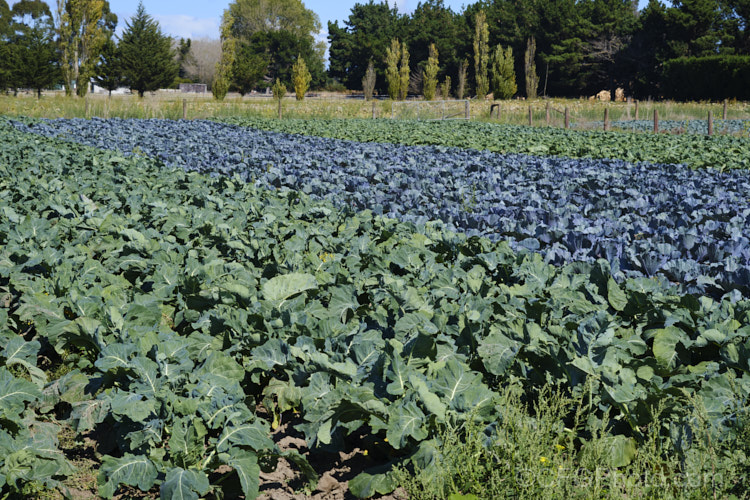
(182, 26)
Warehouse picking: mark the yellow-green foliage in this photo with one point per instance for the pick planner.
(503, 73)
(392, 55)
(429, 84)
(301, 78)
(445, 88)
(81, 37)
(279, 90)
(403, 73)
(481, 54)
(223, 75)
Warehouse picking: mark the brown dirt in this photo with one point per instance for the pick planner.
(286, 482)
(334, 471)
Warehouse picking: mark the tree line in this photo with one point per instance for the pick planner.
(688, 49)
(77, 47)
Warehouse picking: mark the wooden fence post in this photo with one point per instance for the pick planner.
(531, 119)
(466, 110)
(724, 114)
(656, 121)
(184, 109)
(636, 109)
(567, 118)
(606, 119)
(710, 123)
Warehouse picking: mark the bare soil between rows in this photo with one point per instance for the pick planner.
(286, 482)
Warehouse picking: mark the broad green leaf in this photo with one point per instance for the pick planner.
(221, 365)
(343, 301)
(405, 421)
(461, 388)
(430, 400)
(615, 296)
(285, 286)
(714, 335)
(665, 347)
(115, 356)
(238, 289)
(497, 352)
(135, 406)
(19, 350)
(246, 466)
(15, 393)
(366, 485)
(186, 444)
(86, 414)
(132, 470)
(620, 450)
(181, 484)
(253, 435)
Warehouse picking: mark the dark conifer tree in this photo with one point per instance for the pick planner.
(33, 58)
(148, 61)
(108, 71)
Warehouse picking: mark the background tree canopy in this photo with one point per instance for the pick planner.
(582, 46)
(277, 32)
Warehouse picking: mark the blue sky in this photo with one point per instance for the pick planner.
(201, 18)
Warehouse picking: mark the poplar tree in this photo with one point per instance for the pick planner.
(429, 84)
(463, 68)
(223, 73)
(368, 81)
(403, 73)
(392, 56)
(83, 28)
(148, 61)
(481, 54)
(532, 79)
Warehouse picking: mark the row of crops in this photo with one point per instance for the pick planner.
(720, 152)
(688, 226)
(730, 127)
(184, 287)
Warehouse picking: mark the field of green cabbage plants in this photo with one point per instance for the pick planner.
(208, 310)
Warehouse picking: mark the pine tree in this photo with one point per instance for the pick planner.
(33, 62)
(248, 68)
(503, 73)
(301, 78)
(481, 54)
(148, 61)
(429, 84)
(108, 71)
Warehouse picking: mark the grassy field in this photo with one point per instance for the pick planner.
(327, 105)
